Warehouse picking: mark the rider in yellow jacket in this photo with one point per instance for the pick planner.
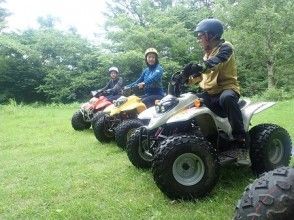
(217, 76)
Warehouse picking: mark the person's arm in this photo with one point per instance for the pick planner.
(141, 79)
(225, 52)
(154, 76)
(107, 86)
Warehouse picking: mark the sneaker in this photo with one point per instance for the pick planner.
(243, 156)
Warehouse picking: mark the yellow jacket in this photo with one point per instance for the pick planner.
(221, 71)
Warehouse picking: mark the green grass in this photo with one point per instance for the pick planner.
(50, 171)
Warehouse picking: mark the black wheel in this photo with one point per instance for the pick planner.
(102, 130)
(96, 116)
(124, 130)
(185, 167)
(270, 147)
(271, 196)
(78, 123)
(139, 150)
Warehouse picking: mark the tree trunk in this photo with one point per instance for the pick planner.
(270, 74)
(270, 61)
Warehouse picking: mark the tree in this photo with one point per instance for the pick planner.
(3, 15)
(263, 35)
(136, 25)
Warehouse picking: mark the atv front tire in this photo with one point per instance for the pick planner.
(96, 116)
(138, 150)
(124, 130)
(78, 123)
(102, 130)
(185, 167)
(271, 196)
(270, 147)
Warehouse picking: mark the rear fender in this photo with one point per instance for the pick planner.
(102, 102)
(133, 102)
(253, 109)
(109, 108)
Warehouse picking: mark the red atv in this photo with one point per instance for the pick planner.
(81, 119)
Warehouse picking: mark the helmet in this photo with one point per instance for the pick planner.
(113, 68)
(211, 26)
(151, 50)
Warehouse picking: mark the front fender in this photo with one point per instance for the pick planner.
(187, 114)
(147, 114)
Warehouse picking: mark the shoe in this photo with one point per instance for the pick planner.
(243, 157)
(242, 151)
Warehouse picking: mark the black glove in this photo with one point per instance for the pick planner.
(196, 70)
(187, 69)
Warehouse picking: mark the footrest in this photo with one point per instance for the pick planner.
(228, 157)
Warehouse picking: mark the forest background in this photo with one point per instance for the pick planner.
(49, 65)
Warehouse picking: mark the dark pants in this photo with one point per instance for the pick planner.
(112, 97)
(149, 100)
(225, 104)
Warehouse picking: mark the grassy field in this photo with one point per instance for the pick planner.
(50, 171)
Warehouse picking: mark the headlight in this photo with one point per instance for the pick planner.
(166, 105)
(121, 100)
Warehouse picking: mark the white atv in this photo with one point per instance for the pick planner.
(186, 143)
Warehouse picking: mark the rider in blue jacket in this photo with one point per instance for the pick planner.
(151, 79)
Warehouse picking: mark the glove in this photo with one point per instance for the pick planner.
(93, 93)
(108, 91)
(187, 69)
(196, 69)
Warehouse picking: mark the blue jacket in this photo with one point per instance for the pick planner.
(152, 77)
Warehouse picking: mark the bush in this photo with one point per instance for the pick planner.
(276, 94)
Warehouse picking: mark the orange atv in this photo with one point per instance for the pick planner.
(81, 119)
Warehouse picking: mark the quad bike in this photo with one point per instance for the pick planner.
(186, 144)
(271, 196)
(81, 119)
(142, 143)
(120, 120)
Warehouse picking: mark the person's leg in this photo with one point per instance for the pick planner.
(212, 102)
(150, 100)
(112, 97)
(229, 102)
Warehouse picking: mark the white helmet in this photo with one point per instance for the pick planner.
(113, 68)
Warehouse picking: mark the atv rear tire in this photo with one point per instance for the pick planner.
(271, 196)
(101, 130)
(78, 123)
(124, 130)
(270, 147)
(185, 167)
(138, 153)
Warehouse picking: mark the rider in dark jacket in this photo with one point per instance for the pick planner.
(151, 78)
(113, 88)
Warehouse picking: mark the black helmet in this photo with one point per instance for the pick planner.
(210, 26)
